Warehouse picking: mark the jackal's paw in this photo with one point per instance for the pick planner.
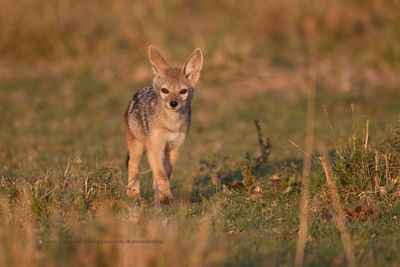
(164, 198)
(133, 192)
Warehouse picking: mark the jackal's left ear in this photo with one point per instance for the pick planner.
(192, 67)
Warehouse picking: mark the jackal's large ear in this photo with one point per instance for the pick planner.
(192, 67)
(157, 61)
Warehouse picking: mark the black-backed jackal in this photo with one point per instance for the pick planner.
(158, 119)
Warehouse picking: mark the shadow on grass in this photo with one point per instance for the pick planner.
(207, 185)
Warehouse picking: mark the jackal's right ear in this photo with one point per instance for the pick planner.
(157, 61)
(192, 67)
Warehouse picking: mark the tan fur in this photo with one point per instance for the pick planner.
(155, 124)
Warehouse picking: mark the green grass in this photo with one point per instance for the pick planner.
(62, 177)
(68, 70)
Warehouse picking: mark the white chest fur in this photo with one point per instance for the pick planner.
(175, 139)
(171, 128)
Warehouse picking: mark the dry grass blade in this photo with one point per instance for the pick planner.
(339, 213)
(366, 134)
(305, 183)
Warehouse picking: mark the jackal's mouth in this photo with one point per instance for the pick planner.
(177, 108)
(174, 106)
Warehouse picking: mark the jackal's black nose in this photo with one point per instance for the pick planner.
(173, 104)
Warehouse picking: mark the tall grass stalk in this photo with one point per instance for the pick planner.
(339, 213)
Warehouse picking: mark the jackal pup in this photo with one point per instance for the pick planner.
(158, 119)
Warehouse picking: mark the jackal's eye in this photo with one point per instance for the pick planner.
(164, 90)
(183, 91)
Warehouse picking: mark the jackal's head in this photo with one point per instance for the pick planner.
(175, 85)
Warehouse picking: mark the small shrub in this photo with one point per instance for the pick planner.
(369, 167)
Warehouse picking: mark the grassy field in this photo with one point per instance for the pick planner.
(68, 70)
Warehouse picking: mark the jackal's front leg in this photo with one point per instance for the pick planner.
(161, 186)
(135, 149)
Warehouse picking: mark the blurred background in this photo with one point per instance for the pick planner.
(263, 43)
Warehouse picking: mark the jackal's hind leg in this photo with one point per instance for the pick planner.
(171, 155)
